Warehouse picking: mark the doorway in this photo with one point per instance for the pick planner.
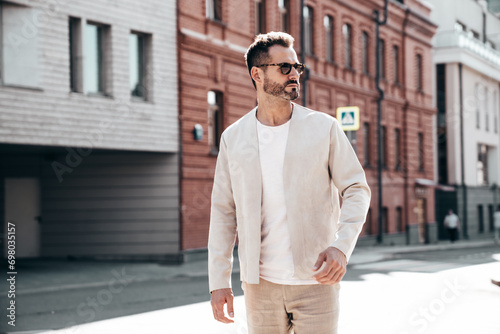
(22, 208)
(422, 220)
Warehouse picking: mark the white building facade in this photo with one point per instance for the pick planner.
(89, 128)
(467, 80)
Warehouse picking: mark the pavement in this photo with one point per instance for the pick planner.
(46, 275)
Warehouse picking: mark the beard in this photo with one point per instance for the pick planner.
(278, 90)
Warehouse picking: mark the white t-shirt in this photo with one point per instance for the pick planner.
(276, 259)
(451, 221)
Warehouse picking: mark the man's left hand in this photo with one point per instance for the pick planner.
(334, 269)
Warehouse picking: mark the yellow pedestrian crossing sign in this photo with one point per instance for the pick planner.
(348, 118)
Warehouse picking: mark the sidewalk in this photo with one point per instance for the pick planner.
(47, 275)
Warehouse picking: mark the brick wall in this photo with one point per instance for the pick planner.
(211, 57)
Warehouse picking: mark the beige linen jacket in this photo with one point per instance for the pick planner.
(319, 164)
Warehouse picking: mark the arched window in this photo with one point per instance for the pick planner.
(328, 23)
(309, 29)
(365, 49)
(260, 17)
(215, 119)
(381, 58)
(395, 53)
(347, 33)
(284, 6)
(419, 74)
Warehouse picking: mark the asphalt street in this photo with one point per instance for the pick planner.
(407, 293)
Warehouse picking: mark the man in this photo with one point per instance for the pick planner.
(496, 222)
(277, 181)
(451, 222)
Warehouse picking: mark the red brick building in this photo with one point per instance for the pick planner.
(215, 90)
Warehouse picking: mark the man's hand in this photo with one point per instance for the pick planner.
(334, 269)
(218, 299)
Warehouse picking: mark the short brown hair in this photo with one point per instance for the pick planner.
(257, 53)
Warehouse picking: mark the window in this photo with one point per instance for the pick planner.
(368, 224)
(486, 110)
(421, 153)
(399, 219)
(347, 33)
(496, 110)
(480, 219)
(138, 60)
(260, 17)
(96, 39)
(309, 29)
(397, 148)
(419, 73)
(381, 59)
(284, 6)
(214, 10)
(75, 54)
(329, 34)
(215, 119)
(366, 143)
(478, 95)
(19, 58)
(395, 52)
(353, 139)
(383, 135)
(385, 220)
(482, 164)
(491, 216)
(365, 48)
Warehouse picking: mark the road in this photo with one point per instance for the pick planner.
(428, 292)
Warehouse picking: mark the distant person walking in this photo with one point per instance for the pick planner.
(451, 222)
(497, 225)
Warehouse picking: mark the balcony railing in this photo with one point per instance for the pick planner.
(446, 39)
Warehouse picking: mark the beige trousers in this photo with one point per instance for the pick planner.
(299, 309)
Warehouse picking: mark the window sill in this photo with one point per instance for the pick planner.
(332, 62)
(216, 22)
(137, 99)
(213, 152)
(29, 88)
(98, 95)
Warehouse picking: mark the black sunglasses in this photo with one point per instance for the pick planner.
(285, 68)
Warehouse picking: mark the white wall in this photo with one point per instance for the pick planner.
(52, 115)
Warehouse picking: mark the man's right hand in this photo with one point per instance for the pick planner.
(218, 299)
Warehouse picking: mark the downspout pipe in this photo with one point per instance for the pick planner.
(303, 53)
(379, 23)
(462, 158)
(405, 127)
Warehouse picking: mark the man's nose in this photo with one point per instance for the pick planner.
(294, 73)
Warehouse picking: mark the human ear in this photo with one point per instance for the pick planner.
(255, 73)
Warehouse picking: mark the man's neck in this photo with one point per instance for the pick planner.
(274, 113)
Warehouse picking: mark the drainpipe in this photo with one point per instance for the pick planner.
(379, 23)
(484, 27)
(303, 53)
(405, 127)
(462, 162)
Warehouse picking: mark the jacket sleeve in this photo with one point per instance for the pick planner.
(349, 178)
(222, 233)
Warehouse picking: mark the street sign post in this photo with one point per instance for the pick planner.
(348, 118)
